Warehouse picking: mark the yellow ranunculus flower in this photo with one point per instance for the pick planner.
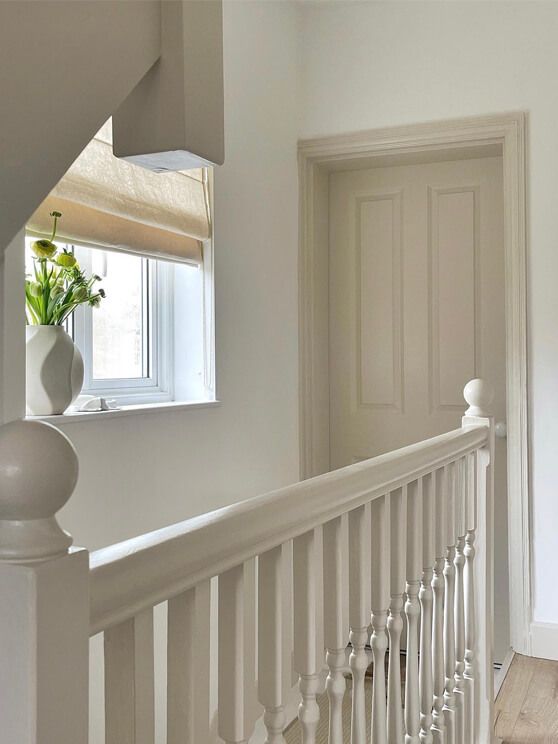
(80, 294)
(66, 260)
(35, 289)
(44, 248)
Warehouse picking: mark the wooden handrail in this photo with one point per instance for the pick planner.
(136, 574)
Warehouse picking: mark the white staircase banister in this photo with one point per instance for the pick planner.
(46, 616)
(139, 573)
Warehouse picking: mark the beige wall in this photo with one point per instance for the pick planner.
(63, 66)
(145, 471)
(369, 65)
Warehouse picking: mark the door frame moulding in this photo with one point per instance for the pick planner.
(317, 158)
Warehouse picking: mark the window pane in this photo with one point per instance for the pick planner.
(120, 332)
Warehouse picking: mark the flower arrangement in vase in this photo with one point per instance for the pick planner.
(54, 367)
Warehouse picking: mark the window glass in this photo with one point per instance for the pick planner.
(120, 326)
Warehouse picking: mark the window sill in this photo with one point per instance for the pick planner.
(146, 408)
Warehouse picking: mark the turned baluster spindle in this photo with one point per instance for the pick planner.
(335, 638)
(459, 608)
(425, 599)
(305, 629)
(359, 615)
(398, 538)
(449, 617)
(470, 672)
(412, 611)
(380, 597)
(231, 685)
(270, 644)
(438, 591)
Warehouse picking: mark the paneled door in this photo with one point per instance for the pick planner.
(416, 277)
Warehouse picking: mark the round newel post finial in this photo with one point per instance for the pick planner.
(478, 394)
(38, 473)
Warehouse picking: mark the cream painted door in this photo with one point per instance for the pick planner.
(416, 278)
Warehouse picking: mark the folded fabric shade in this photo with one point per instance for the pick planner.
(110, 203)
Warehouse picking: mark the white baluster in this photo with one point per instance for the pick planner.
(359, 615)
(459, 609)
(479, 394)
(469, 674)
(412, 610)
(252, 707)
(425, 598)
(188, 667)
(438, 587)
(380, 585)
(305, 622)
(270, 637)
(334, 636)
(129, 681)
(44, 612)
(231, 688)
(398, 536)
(449, 624)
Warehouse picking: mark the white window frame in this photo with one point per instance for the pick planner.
(157, 387)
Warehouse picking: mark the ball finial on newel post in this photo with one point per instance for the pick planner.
(38, 473)
(478, 394)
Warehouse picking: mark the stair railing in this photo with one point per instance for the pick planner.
(411, 529)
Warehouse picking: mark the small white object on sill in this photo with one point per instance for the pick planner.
(85, 403)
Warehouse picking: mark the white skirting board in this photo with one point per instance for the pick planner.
(501, 670)
(544, 640)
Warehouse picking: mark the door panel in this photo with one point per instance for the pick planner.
(416, 310)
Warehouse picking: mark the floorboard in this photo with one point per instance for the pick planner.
(527, 707)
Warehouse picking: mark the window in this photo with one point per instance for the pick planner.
(125, 341)
(149, 237)
(132, 350)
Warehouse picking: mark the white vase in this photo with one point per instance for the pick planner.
(53, 370)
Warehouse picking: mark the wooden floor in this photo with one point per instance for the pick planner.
(527, 706)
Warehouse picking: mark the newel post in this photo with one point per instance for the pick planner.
(44, 599)
(480, 547)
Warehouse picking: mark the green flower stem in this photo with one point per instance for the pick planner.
(57, 289)
(55, 215)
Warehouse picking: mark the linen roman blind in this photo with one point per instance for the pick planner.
(109, 203)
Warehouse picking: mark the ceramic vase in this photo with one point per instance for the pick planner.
(53, 370)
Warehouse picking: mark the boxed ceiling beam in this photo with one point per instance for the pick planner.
(174, 117)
